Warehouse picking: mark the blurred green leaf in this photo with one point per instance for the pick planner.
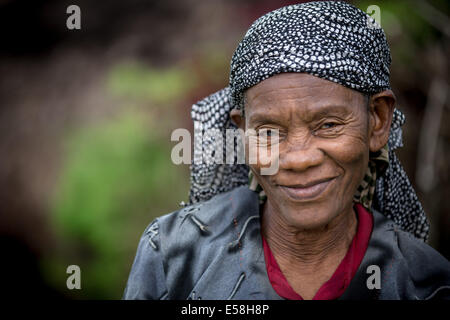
(161, 86)
(115, 180)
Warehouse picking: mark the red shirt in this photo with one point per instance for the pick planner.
(339, 281)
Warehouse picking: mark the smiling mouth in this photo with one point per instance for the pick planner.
(308, 191)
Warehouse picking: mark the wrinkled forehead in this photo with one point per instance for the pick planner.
(300, 88)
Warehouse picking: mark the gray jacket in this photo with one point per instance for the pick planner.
(213, 250)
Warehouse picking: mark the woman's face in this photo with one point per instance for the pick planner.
(323, 145)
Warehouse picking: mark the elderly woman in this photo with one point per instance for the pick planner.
(339, 218)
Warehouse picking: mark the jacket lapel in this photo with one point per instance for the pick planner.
(238, 271)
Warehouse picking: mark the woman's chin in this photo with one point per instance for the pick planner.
(309, 218)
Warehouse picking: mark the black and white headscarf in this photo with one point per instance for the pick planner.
(331, 40)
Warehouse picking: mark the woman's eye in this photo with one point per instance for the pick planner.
(266, 132)
(328, 125)
(268, 135)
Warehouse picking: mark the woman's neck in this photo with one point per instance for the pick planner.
(309, 250)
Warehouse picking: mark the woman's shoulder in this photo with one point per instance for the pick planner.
(428, 269)
(213, 216)
(422, 271)
(182, 244)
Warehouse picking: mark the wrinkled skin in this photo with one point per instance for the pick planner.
(325, 134)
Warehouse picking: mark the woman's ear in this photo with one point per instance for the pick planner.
(237, 118)
(381, 109)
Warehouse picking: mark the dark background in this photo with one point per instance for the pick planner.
(86, 117)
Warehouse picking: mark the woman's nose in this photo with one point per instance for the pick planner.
(300, 158)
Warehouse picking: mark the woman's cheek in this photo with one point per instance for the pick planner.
(350, 147)
(352, 155)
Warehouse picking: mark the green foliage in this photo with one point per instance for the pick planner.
(161, 86)
(115, 180)
(117, 175)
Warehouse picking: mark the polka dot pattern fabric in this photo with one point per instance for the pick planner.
(207, 177)
(328, 39)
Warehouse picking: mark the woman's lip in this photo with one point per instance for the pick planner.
(306, 193)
